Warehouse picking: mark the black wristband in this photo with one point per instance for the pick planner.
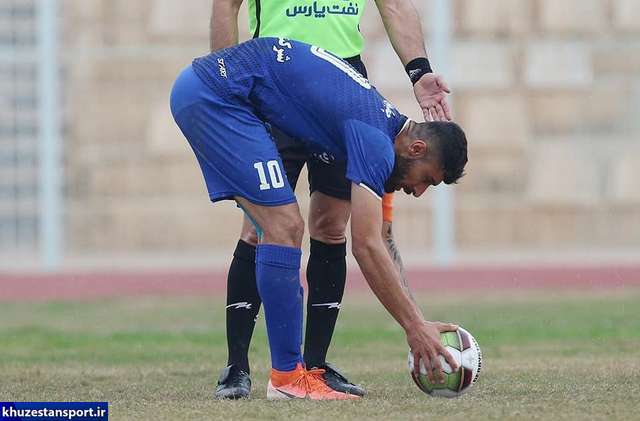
(417, 67)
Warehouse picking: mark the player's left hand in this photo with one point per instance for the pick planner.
(426, 346)
(431, 91)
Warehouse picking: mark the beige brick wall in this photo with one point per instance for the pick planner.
(548, 91)
(572, 17)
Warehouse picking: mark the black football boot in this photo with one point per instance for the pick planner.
(337, 381)
(234, 383)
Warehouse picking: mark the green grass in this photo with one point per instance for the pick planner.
(548, 355)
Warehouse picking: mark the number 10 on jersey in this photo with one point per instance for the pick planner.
(275, 175)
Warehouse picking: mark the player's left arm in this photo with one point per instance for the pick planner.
(383, 278)
(402, 23)
(394, 253)
(389, 241)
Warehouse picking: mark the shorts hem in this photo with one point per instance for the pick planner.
(230, 196)
(336, 194)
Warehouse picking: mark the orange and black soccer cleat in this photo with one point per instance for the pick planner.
(301, 384)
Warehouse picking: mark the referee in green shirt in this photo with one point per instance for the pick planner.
(335, 26)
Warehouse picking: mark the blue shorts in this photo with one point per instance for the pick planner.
(236, 153)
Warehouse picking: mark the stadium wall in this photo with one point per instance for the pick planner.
(548, 92)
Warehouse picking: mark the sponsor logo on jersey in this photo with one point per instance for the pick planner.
(388, 109)
(283, 42)
(321, 13)
(222, 68)
(279, 49)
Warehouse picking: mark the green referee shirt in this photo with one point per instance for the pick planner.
(329, 24)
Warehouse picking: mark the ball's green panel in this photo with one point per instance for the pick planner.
(451, 382)
(452, 339)
(427, 385)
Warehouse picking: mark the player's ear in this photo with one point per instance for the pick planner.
(418, 148)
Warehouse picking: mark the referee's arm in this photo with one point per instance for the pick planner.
(402, 23)
(223, 27)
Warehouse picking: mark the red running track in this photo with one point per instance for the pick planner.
(93, 285)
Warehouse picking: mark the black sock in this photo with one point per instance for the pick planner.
(326, 274)
(243, 304)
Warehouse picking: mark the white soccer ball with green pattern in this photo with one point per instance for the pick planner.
(465, 350)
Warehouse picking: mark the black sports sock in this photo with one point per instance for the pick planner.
(243, 304)
(326, 274)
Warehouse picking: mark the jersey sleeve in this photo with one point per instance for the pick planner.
(370, 156)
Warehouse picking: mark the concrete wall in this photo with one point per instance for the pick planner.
(548, 92)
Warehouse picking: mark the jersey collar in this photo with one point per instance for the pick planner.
(404, 124)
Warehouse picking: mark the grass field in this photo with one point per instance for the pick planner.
(548, 355)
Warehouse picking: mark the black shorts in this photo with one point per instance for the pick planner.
(328, 179)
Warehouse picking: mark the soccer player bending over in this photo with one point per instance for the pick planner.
(329, 189)
(220, 102)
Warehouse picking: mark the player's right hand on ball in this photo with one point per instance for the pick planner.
(425, 344)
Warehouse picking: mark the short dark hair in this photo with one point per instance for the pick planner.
(449, 142)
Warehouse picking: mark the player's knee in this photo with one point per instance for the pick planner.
(287, 231)
(250, 237)
(328, 229)
(248, 233)
(296, 229)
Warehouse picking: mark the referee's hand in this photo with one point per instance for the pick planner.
(431, 91)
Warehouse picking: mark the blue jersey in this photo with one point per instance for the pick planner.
(313, 96)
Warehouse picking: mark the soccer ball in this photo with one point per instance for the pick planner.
(465, 350)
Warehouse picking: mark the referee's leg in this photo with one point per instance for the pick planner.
(329, 213)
